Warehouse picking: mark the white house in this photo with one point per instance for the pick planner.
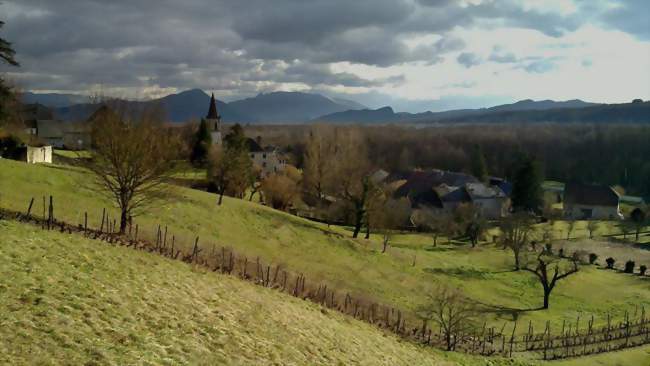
(35, 155)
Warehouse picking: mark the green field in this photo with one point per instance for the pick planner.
(77, 301)
(330, 255)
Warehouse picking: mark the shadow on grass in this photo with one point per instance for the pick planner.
(504, 312)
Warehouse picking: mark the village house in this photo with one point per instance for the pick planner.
(445, 191)
(269, 160)
(591, 202)
(44, 129)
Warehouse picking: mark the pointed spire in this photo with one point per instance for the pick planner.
(212, 112)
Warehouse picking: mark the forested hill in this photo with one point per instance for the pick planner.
(638, 112)
(526, 111)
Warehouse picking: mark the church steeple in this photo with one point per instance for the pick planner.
(213, 120)
(212, 112)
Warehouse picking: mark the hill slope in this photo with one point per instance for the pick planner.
(77, 301)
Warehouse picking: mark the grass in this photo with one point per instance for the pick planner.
(76, 301)
(330, 255)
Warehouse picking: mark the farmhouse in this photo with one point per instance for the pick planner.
(446, 191)
(268, 160)
(591, 202)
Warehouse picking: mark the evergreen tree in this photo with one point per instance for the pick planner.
(527, 185)
(7, 56)
(478, 165)
(202, 143)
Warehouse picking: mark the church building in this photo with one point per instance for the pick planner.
(213, 121)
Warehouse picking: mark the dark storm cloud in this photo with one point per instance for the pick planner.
(253, 45)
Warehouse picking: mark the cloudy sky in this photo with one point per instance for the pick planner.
(412, 54)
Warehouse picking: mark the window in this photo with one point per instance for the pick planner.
(264, 165)
(252, 156)
(263, 156)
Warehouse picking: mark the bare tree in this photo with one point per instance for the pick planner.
(517, 230)
(570, 228)
(318, 162)
(592, 226)
(280, 190)
(451, 311)
(132, 157)
(548, 277)
(393, 215)
(230, 168)
(435, 223)
(352, 173)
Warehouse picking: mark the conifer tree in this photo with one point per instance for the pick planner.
(527, 185)
(479, 167)
(202, 143)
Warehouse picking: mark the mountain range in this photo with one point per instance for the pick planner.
(276, 107)
(296, 107)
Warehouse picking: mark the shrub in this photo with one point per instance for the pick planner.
(629, 266)
(549, 248)
(642, 270)
(592, 258)
(579, 255)
(610, 262)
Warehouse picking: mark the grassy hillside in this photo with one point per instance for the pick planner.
(76, 301)
(328, 254)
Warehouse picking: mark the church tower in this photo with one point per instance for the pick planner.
(213, 120)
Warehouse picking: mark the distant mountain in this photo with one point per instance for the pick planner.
(383, 115)
(193, 105)
(182, 107)
(277, 107)
(636, 112)
(54, 100)
(287, 107)
(529, 104)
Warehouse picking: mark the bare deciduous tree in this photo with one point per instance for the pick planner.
(352, 175)
(548, 277)
(517, 230)
(318, 163)
(280, 190)
(451, 311)
(131, 158)
(230, 168)
(435, 223)
(592, 226)
(394, 214)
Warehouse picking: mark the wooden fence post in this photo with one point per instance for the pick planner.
(29, 209)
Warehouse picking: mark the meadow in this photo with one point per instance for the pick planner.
(328, 254)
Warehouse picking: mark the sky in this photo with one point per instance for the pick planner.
(414, 55)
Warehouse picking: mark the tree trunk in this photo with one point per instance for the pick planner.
(220, 198)
(124, 219)
(358, 221)
(517, 268)
(383, 250)
(547, 294)
(435, 240)
(367, 225)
